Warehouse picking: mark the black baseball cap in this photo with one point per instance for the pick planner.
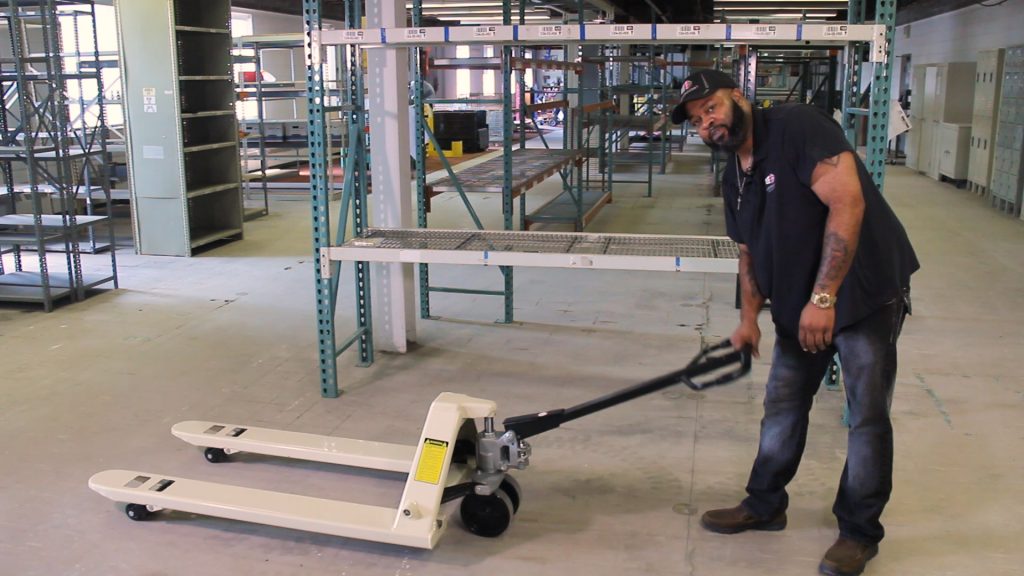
(700, 84)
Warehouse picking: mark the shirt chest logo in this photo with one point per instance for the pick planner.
(769, 183)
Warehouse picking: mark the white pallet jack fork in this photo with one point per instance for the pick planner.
(452, 460)
(417, 522)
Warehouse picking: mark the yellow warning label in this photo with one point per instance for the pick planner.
(431, 461)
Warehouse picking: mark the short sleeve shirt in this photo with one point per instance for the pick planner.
(776, 214)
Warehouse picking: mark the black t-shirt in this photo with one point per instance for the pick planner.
(782, 221)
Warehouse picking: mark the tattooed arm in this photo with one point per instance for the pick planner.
(837, 185)
(748, 333)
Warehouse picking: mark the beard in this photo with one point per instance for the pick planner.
(735, 132)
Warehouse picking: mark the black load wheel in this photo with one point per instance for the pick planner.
(487, 516)
(215, 455)
(514, 492)
(137, 512)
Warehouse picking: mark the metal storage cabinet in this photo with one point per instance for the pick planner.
(927, 161)
(949, 97)
(182, 132)
(987, 86)
(952, 150)
(1009, 150)
(916, 118)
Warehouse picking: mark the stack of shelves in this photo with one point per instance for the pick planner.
(182, 131)
(1008, 171)
(48, 159)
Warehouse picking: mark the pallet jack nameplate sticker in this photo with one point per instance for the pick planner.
(431, 462)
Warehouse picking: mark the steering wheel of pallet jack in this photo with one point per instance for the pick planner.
(487, 516)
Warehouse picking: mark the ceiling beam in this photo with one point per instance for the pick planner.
(330, 10)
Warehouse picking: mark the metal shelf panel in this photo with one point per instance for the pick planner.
(48, 220)
(562, 208)
(211, 189)
(201, 29)
(529, 167)
(202, 237)
(208, 114)
(539, 249)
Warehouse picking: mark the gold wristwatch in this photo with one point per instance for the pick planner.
(823, 300)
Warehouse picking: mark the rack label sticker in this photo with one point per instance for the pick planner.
(148, 92)
(153, 152)
(432, 458)
(623, 30)
(764, 31)
(836, 31)
(353, 35)
(149, 108)
(415, 33)
(484, 32)
(688, 31)
(550, 32)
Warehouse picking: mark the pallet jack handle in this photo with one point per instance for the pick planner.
(710, 359)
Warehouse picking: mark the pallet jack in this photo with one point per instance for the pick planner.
(452, 460)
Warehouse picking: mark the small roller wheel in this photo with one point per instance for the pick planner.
(215, 455)
(514, 492)
(137, 512)
(487, 516)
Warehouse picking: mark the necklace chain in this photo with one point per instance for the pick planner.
(741, 181)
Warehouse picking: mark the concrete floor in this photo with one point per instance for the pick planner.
(230, 335)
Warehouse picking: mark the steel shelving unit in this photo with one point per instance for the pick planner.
(878, 36)
(274, 147)
(51, 160)
(637, 86)
(182, 130)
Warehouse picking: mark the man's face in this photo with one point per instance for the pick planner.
(720, 121)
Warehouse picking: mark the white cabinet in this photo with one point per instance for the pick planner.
(953, 149)
(942, 93)
(950, 95)
(914, 143)
(926, 161)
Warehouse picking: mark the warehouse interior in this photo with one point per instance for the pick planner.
(195, 220)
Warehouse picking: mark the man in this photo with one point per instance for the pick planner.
(816, 238)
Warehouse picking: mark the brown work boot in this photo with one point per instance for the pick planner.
(847, 557)
(738, 519)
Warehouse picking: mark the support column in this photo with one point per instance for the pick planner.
(388, 94)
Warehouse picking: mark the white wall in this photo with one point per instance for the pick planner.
(958, 36)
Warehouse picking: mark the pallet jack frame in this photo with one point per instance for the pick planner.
(453, 459)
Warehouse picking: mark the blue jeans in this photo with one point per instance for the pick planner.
(867, 352)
